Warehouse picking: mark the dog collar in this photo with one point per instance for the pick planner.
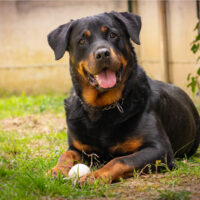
(114, 105)
(117, 105)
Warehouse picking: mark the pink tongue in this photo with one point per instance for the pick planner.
(106, 79)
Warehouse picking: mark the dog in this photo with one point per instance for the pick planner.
(117, 116)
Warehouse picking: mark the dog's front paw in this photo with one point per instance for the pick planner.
(88, 178)
(95, 176)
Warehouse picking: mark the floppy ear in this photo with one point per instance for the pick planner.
(131, 22)
(58, 39)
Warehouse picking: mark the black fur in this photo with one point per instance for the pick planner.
(161, 114)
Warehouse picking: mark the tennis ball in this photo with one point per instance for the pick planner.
(78, 170)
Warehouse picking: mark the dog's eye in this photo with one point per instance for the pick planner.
(113, 35)
(82, 42)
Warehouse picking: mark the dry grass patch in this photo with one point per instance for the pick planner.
(34, 124)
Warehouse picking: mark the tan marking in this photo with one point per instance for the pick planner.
(92, 97)
(65, 163)
(127, 48)
(119, 57)
(91, 59)
(85, 64)
(112, 53)
(123, 60)
(68, 158)
(87, 33)
(80, 71)
(83, 147)
(72, 59)
(81, 65)
(104, 29)
(131, 145)
(112, 171)
(90, 94)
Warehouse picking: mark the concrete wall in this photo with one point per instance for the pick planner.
(181, 20)
(27, 62)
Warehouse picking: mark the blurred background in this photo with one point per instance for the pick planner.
(27, 63)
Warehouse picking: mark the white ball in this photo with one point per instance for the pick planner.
(78, 170)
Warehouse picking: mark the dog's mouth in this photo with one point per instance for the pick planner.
(105, 79)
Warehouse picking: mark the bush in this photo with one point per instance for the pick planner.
(194, 79)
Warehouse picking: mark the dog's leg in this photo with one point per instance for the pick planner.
(65, 163)
(122, 167)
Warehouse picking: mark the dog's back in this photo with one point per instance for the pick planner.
(179, 117)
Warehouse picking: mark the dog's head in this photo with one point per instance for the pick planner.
(100, 51)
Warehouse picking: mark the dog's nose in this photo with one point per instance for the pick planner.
(102, 54)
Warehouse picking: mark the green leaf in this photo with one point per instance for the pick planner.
(198, 71)
(195, 48)
(197, 38)
(196, 27)
(188, 77)
(193, 85)
(194, 82)
(198, 59)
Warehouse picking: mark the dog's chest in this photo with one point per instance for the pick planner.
(110, 134)
(105, 141)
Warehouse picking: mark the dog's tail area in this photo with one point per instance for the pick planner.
(197, 140)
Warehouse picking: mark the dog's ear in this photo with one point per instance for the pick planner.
(58, 39)
(131, 22)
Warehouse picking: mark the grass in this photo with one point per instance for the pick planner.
(16, 106)
(26, 157)
(173, 195)
(24, 178)
(32, 137)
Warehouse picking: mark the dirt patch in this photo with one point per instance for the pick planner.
(40, 130)
(150, 187)
(34, 124)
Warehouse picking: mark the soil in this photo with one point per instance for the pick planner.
(34, 124)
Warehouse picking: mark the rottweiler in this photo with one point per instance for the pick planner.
(116, 113)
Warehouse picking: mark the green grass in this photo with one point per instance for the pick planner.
(174, 195)
(26, 156)
(16, 106)
(22, 169)
(23, 177)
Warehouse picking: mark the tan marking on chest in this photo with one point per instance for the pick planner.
(83, 147)
(131, 145)
(92, 97)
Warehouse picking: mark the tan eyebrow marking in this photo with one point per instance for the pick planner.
(87, 33)
(104, 29)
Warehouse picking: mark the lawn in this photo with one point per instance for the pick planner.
(33, 135)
